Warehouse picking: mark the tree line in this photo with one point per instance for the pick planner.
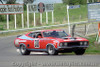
(71, 2)
(77, 2)
(14, 1)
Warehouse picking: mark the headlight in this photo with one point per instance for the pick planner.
(65, 44)
(85, 43)
(81, 43)
(61, 44)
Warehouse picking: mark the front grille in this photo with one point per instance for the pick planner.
(73, 44)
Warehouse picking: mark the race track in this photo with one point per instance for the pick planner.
(10, 58)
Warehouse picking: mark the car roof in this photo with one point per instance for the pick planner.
(52, 30)
(47, 30)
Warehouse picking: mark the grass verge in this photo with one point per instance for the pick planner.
(93, 48)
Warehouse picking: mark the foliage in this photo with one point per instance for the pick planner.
(2, 18)
(11, 1)
(25, 7)
(66, 1)
(28, 1)
(76, 2)
(93, 48)
(1, 1)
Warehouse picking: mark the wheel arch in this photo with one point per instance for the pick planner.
(26, 52)
(49, 45)
(22, 44)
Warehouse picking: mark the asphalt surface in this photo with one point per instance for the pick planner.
(10, 58)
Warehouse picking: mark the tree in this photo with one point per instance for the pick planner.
(10, 1)
(91, 1)
(28, 1)
(1, 1)
(83, 2)
(65, 1)
(74, 2)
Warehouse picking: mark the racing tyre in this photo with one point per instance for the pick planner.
(51, 50)
(24, 51)
(79, 51)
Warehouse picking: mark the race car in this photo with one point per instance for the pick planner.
(50, 41)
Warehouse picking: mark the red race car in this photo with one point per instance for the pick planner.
(50, 41)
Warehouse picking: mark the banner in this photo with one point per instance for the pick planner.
(94, 11)
(11, 8)
(36, 8)
(74, 6)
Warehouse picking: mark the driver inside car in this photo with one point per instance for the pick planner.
(39, 36)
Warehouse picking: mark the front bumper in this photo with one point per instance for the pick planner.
(59, 47)
(70, 49)
(76, 44)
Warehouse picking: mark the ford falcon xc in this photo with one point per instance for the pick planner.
(50, 41)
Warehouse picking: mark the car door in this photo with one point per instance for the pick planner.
(36, 43)
(31, 42)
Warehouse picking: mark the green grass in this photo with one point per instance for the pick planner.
(93, 48)
(1, 27)
(79, 14)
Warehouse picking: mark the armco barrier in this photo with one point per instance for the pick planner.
(42, 27)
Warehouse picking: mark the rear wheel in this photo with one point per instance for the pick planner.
(23, 50)
(51, 50)
(79, 51)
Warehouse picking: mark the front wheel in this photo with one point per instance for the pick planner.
(79, 51)
(24, 51)
(51, 50)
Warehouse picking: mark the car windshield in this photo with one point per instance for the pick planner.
(58, 34)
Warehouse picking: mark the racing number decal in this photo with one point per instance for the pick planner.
(36, 43)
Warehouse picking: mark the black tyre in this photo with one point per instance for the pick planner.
(51, 50)
(79, 51)
(24, 51)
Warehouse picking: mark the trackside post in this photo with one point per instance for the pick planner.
(99, 32)
(68, 18)
(71, 7)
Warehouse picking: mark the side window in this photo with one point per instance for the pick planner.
(38, 35)
(32, 35)
(35, 35)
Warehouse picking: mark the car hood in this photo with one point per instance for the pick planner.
(67, 39)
